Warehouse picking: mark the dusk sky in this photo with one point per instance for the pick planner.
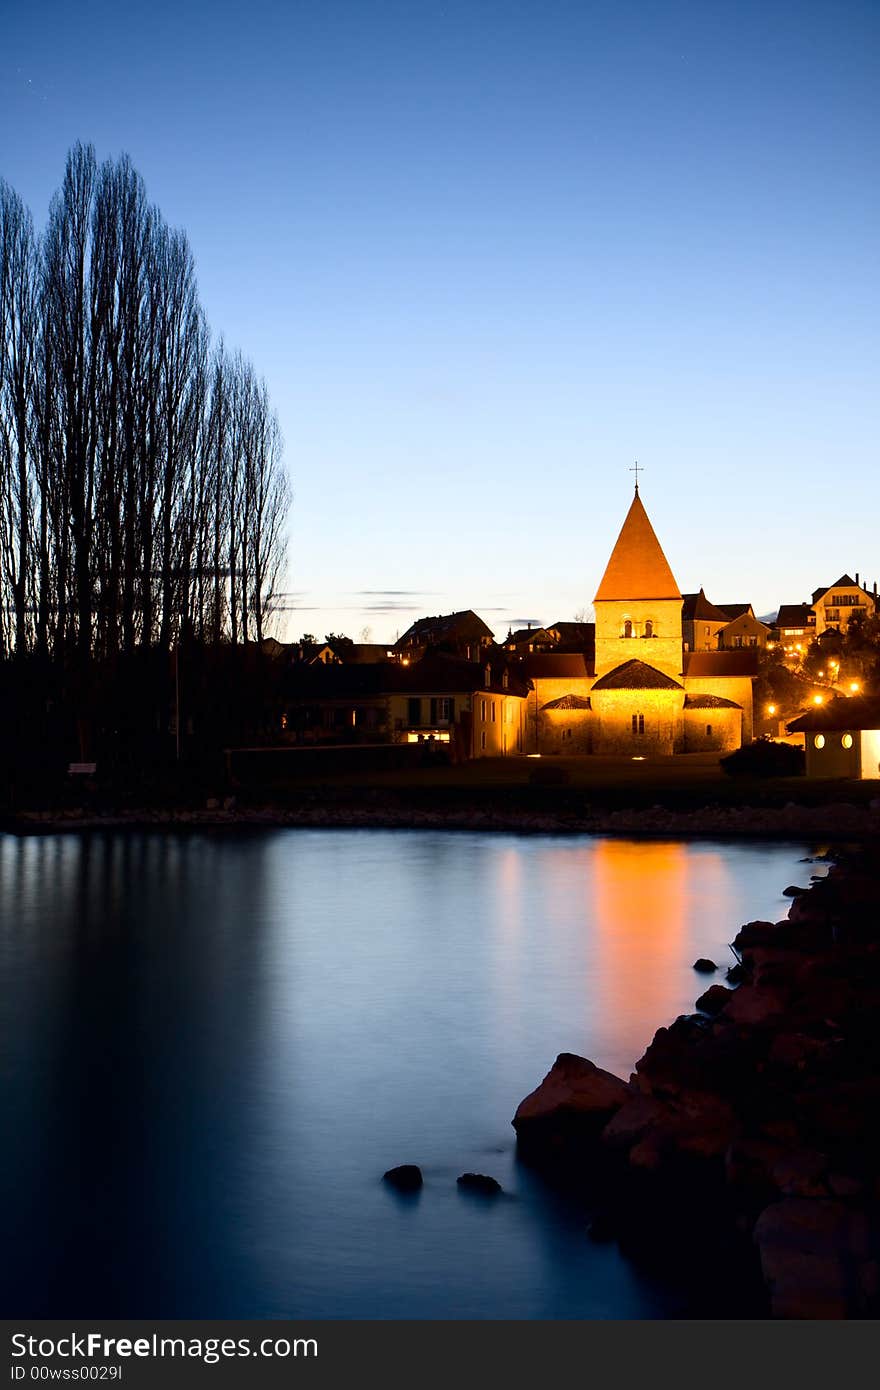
(486, 255)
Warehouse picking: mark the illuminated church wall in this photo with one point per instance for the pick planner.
(662, 649)
(712, 730)
(658, 728)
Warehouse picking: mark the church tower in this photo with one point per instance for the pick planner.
(638, 604)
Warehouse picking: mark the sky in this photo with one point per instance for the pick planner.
(487, 255)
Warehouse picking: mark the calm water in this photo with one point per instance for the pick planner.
(211, 1047)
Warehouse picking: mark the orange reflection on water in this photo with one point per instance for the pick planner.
(644, 900)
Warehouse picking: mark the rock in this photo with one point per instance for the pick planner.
(406, 1178)
(574, 1101)
(704, 966)
(792, 891)
(714, 1000)
(756, 934)
(632, 1121)
(753, 1006)
(799, 1173)
(736, 974)
(480, 1182)
(819, 1258)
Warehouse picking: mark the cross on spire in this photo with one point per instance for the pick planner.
(637, 470)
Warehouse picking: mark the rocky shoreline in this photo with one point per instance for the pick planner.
(753, 1125)
(842, 821)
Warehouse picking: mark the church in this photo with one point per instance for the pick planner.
(644, 693)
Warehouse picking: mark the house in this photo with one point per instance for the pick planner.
(742, 628)
(842, 738)
(477, 708)
(701, 622)
(836, 606)
(463, 633)
(795, 627)
(531, 639)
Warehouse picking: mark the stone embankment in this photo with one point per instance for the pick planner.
(759, 1113)
(843, 821)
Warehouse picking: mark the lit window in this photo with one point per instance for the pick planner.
(483, 710)
(819, 741)
(847, 740)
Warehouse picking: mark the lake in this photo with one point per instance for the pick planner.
(213, 1045)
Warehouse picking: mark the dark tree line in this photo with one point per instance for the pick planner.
(142, 491)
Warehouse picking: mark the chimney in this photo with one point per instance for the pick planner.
(857, 579)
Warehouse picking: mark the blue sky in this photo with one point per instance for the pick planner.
(488, 254)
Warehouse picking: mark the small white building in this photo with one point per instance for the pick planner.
(842, 738)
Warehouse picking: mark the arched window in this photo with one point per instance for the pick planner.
(627, 627)
(649, 627)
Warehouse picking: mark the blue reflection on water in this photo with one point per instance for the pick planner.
(213, 1046)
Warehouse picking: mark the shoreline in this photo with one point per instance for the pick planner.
(751, 1126)
(834, 822)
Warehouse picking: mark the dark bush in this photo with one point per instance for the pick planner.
(765, 759)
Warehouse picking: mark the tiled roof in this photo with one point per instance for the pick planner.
(843, 712)
(637, 569)
(709, 702)
(636, 675)
(445, 627)
(696, 607)
(555, 665)
(738, 661)
(795, 615)
(568, 702)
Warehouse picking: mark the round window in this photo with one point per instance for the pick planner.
(819, 741)
(847, 740)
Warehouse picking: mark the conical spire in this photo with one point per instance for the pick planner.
(638, 569)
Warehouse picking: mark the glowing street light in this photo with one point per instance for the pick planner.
(818, 699)
(853, 687)
(771, 709)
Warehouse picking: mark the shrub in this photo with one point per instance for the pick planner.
(765, 759)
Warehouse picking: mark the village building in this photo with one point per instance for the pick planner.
(631, 684)
(795, 628)
(842, 738)
(836, 606)
(476, 709)
(463, 634)
(742, 629)
(701, 621)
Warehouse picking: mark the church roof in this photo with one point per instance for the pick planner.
(636, 675)
(709, 702)
(555, 665)
(638, 569)
(568, 702)
(737, 661)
